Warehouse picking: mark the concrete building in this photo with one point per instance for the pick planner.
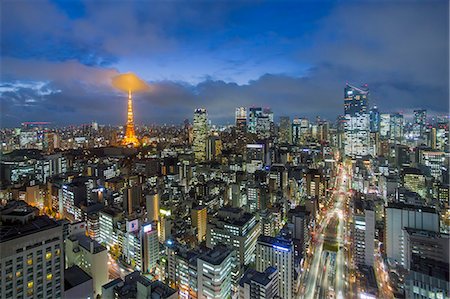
(90, 256)
(135, 285)
(31, 255)
(364, 232)
(77, 284)
(278, 253)
(399, 216)
(259, 285)
(233, 226)
(200, 134)
(199, 220)
(215, 269)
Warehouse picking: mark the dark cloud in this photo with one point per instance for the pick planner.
(57, 64)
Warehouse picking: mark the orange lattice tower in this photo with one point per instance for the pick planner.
(130, 134)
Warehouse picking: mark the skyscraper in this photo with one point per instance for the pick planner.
(285, 133)
(374, 120)
(200, 134)
(130, 134)
(420, 119)
(357, 121)
(241, 118)
(199, 221)
(356, 99)
(278, 253)
(397, 124)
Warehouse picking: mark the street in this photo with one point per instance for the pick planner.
(325, 277)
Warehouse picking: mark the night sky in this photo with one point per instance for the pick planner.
(58, 58)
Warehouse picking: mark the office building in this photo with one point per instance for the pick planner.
(396, 128)
(135, 285)
(415, 180)
(356, 100)
(385, 126)
(90, 256)
(31, 255)
(374, 116)
(200, 134)
(241, 118)
(426, 244)
(357, 135)
(420, 119)
(214, 273)
(277, 253)
(233, 226)
(285, 131)
(364, 232)
(259, 285)
(399, 216)
(199, 221)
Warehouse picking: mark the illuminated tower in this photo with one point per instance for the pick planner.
(130, 134)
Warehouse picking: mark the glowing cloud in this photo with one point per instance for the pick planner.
(129, 82)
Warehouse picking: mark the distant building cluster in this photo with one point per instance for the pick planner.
(264, 208)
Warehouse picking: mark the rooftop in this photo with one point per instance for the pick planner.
(74, 276)
(262, 278)
(216, 255)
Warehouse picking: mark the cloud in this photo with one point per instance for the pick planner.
(219, 57)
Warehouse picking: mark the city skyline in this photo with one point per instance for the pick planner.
(219, 57)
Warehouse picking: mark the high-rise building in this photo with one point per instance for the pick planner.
(235, 227)
(285, 133)
(148, 235)
(152, 202)
(241, 118)
(199, 221)
(356, 135)
(420, 119)
(355, 100)
(260, 122)
(201, 133)
(385, 126)
(399, 216)
(259, 285)
(364, 232)
(130, 134)
(31, 255)
(215, 269)
(374, 120)
(296, 131)
(277, 253)
(397, 125)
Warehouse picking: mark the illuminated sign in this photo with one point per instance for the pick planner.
(281, 248)
(132, 225)
(165, 212)
(350, 92)
(147, 228)
(255, 146)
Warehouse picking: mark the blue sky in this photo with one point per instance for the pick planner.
(58, 57)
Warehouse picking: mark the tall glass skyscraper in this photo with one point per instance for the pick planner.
(355, 99)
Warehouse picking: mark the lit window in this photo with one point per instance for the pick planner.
(30, 261)
(18, 273)
(57, 252)
(30, 284)
(48, 255)
(49, 276)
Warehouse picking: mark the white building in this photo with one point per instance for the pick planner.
(357, 135)
(364, 232)
(90, 256)
(278, 253)
(399, 216)
(214, 272)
